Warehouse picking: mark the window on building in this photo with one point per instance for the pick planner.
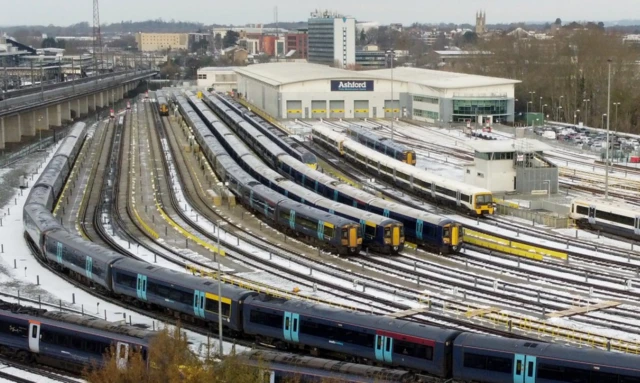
(429, 100)
(426, 114)
(479, 106)
(202, 76)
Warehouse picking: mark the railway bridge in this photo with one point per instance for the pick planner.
(24, 115)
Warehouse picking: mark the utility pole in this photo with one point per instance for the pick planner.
(606, 164)
(97, 38)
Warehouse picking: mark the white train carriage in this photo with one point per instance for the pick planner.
(467, 198)
(609, 216)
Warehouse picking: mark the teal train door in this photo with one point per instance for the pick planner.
(524, 369)
(291, 327)
(89, 267)
(384, 348)
(198, 303)
(141, 288)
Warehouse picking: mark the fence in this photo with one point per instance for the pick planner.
(554, 220)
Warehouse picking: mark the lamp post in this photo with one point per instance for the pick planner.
(616, 104)
(391, 55)
(215, 255)
(586, 111)
(558, 113)
(606, 165)
(575, 115)
(532, 93)
(542, 109)
(528, 102)
(541, 103)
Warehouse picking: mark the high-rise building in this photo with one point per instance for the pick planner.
(332, 39)
(297, 41)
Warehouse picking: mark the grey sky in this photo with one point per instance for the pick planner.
(65, 12)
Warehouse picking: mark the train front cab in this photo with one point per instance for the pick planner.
(351, 238)
(451, 237)
(483, 203)
(410, 157)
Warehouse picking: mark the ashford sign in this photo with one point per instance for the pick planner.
(351, 85)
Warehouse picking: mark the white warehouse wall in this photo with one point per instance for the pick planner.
(308, 91)
(262, 95)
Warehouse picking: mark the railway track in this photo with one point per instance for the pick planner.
(25, 372)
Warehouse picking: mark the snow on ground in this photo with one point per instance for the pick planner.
(53, 289)
(28, 375)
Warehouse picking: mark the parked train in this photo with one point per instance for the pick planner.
(285, 142)
(383, 145)
(425, 229)
(607, 216)
(302, 325)
(466, 198)
(380, 234)
(320, 228)
(66, 341)
(163, 106)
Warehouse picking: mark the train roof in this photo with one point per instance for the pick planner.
(178, 278)
(238, 146)
(355, 212)
(341, 315)
(610, 205)
(549, 350)
(307, 171)
(85, 247)
(361, 130)
(39, 194)
(67, 146)
(51, 173)
(77, 129)
(43, 218)
(313, 213)
(99, 324)
(411, 212)
(73, 327)
(215, 146)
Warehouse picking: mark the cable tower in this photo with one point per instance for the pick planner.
(97, 37)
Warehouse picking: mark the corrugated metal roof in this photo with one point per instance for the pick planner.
(287, 72)
(441, 79)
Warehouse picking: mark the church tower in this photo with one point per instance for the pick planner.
(481, 20)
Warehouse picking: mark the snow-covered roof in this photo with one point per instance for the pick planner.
(440, 79)
(277, 74)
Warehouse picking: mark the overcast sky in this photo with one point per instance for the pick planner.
(65, 12)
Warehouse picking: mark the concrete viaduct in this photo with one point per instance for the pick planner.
(25, 115)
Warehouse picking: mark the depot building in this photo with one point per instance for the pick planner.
(311, 91)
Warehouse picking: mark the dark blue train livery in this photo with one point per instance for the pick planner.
(65, 345)
(429, 230)
(382, 145)
(288, 324)
(315, 226)
(381, 234)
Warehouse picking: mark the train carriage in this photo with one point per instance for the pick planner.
(363, 337)
(37, 220)
(273, 133)
(382, 145)
(63, 345)
(41, 195)
(197, 298)
(163, 105)
(54, 175)
(610, 217)
(467, 198)
(493, 359)
(89, 262)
